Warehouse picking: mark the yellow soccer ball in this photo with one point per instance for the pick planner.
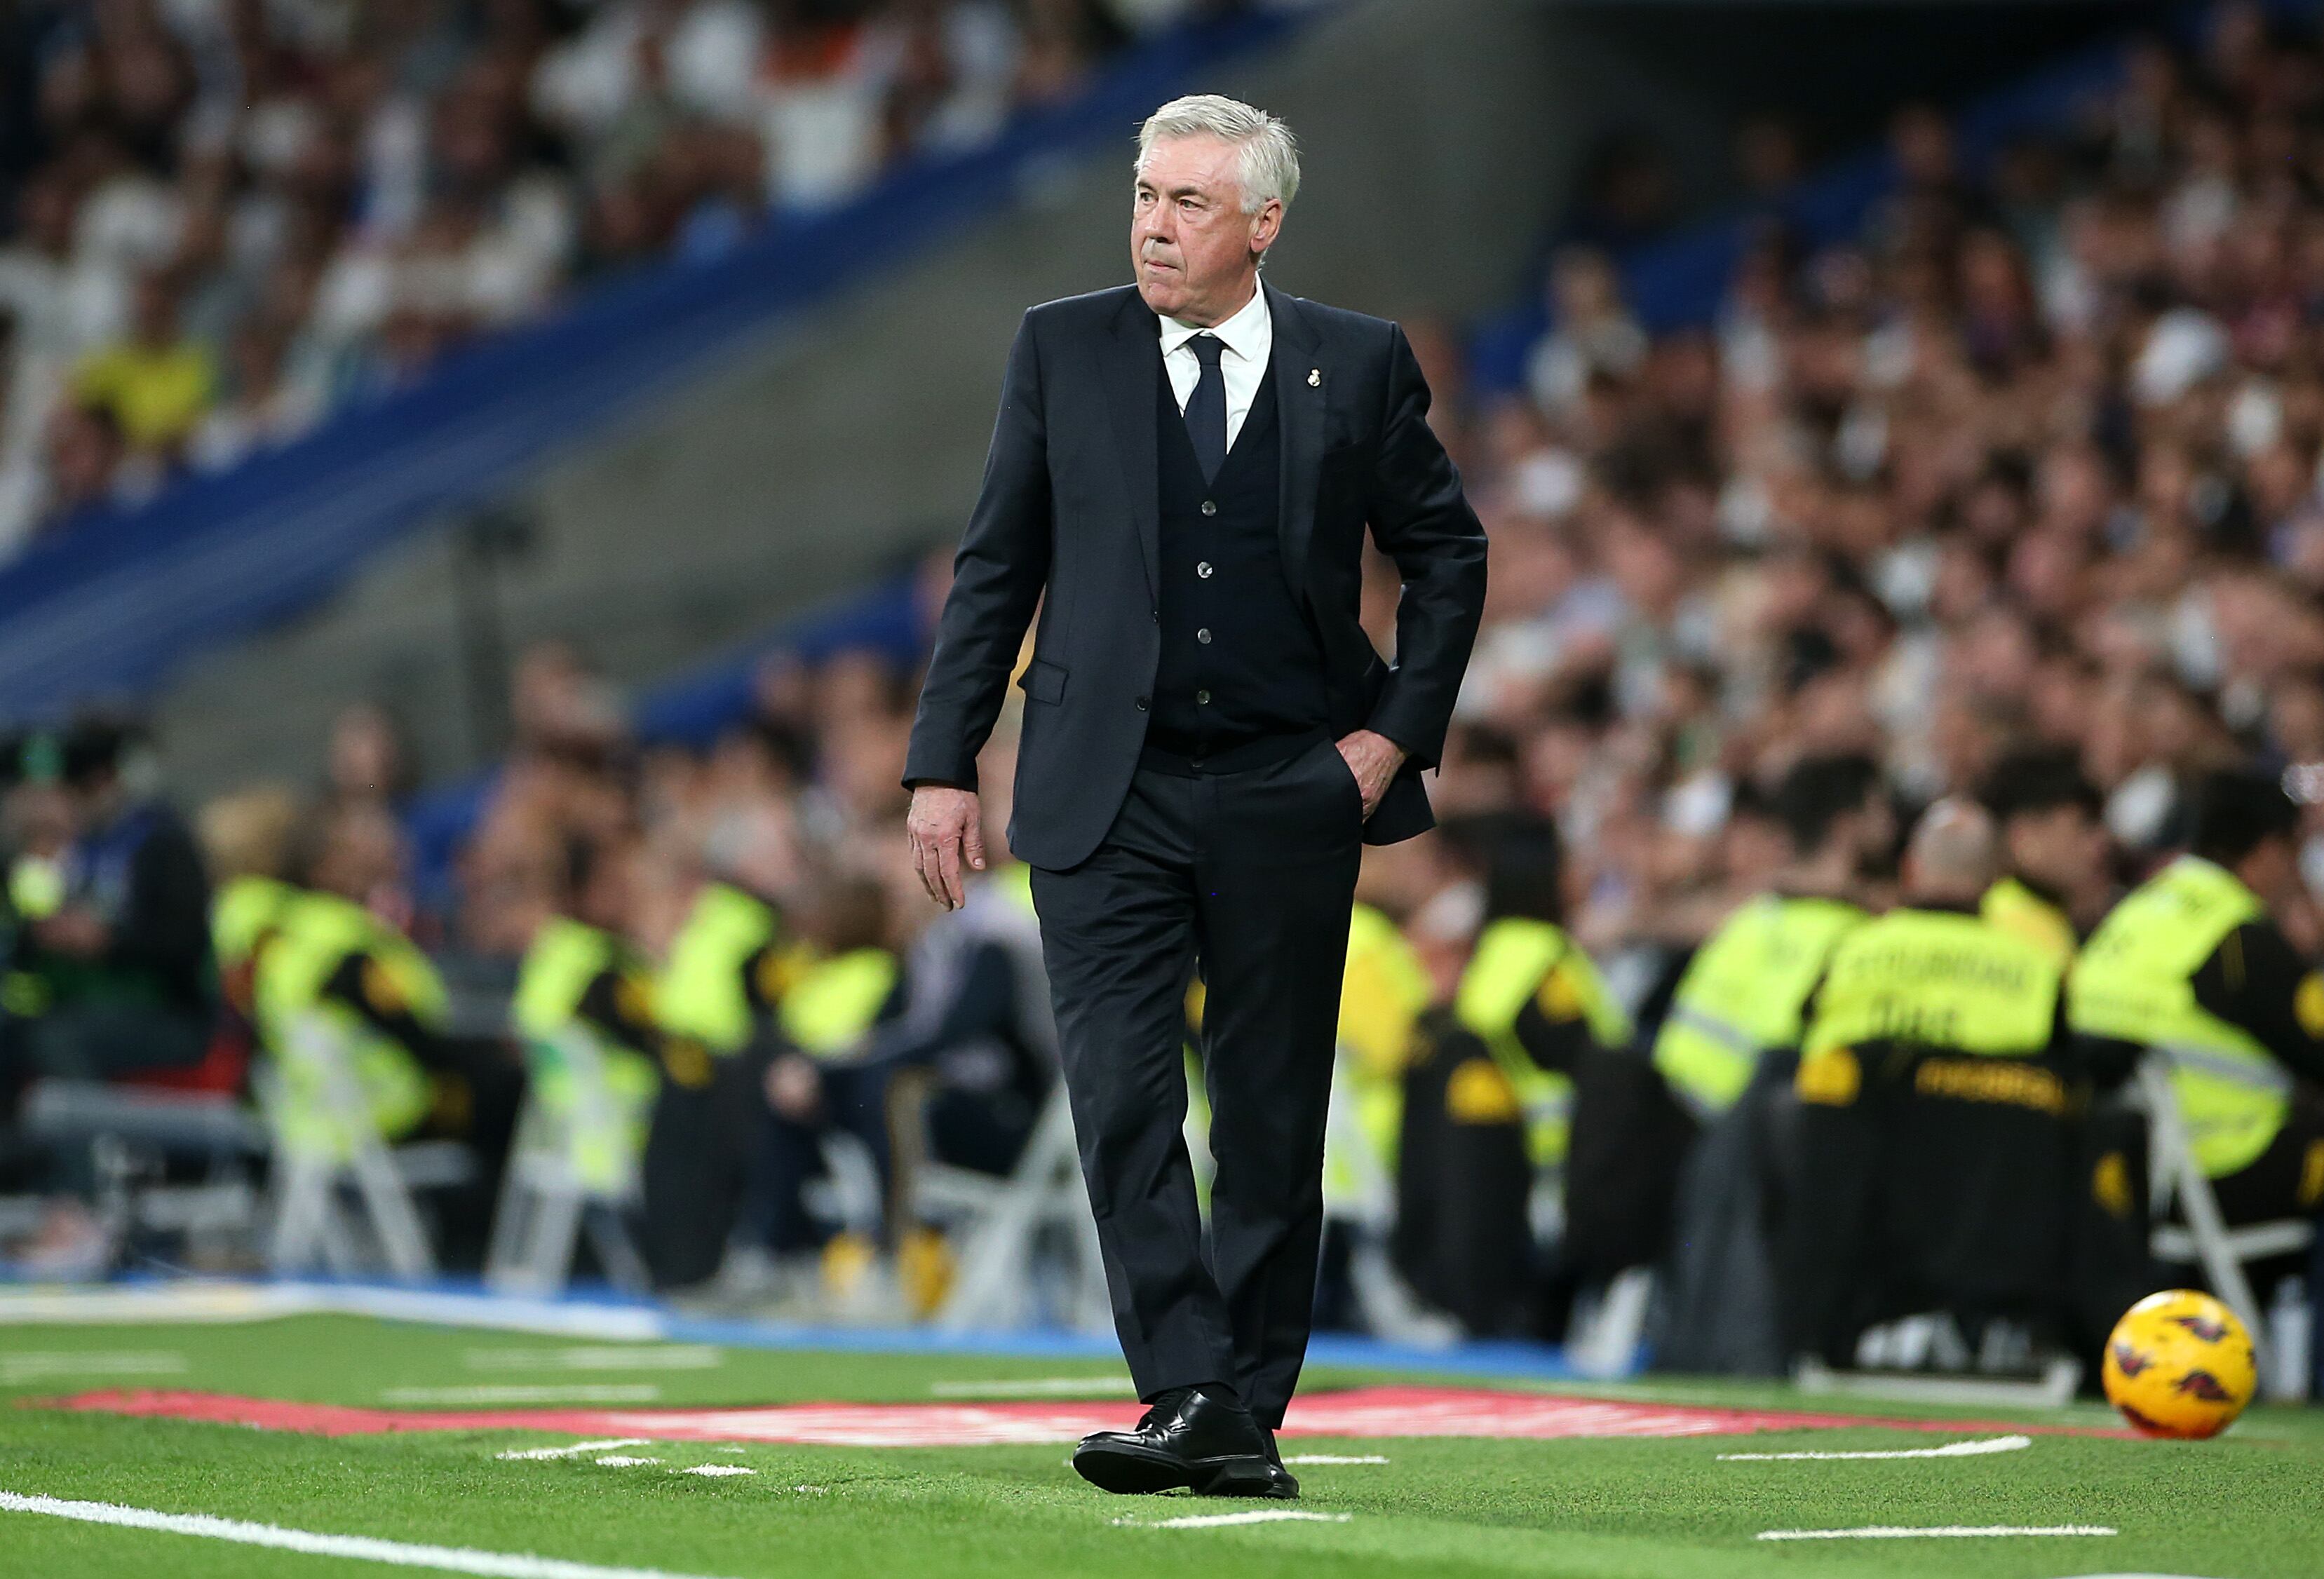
(2180, 1364)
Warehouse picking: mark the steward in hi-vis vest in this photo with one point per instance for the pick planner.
(1725, 1048)
(1938, 1093)
(1383, 994)
(2058, 877)
(1743, 995)
(2192, 968)
(333, 982)
(720, 982)
(831, 1073)
(584, 1017)
(1489, 1092)
(1741, 998)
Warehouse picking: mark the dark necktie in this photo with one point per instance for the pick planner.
(1206, 408)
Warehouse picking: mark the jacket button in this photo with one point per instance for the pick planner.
(1157, 616)
(1204, 635)
(1202, 699)
(1141, 703)
(1209, 507)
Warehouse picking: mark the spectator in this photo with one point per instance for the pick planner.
(328, 198)
(156, 384)
(112, 972)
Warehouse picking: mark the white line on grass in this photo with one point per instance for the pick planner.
(641, 1392)
(578, 1450)
(41, 1364)
(1217, 1520)
(1936, 1532)
(1334, 1458)
(1036, 1387)
(716, 1469)
(359, 1549)
(1949, 1450)
(600, 1357)
(623, 1461)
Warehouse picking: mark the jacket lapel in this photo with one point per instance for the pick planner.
(1132, 366)
(1300, 391)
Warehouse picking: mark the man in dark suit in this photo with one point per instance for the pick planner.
(1186, 468)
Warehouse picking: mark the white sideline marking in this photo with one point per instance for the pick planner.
(40, 1364)
(1036, 1387)
(641, 1392)
(1949, 1450)
(600, 1357)
(623, 1461)
(577, 1450)
(1217, 1521)
(1335, 1458)
(1938, 1532)
(361, 1548)
(716, 1469)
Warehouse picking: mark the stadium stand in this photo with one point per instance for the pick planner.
(386, 411)
(2003, 439)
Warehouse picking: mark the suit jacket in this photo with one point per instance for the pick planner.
(1070, 505)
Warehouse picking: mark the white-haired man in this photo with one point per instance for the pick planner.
(1180, 479)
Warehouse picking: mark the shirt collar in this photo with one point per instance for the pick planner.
(1243, 333)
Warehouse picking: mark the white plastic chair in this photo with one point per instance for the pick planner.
(1004, 1218)
(574, 1169)
(336, 1142)
(2175, 1175)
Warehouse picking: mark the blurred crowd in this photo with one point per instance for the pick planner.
(2033, 460)
(2013, 498)
(218, 219)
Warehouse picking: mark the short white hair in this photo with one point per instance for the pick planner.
(1270, 156)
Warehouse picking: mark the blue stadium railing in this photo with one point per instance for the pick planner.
(110, 608)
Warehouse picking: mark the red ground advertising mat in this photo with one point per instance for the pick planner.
(1373, 1411)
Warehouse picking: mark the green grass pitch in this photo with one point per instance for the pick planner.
(2250, 1506)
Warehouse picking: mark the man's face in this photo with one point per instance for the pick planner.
(1196, 251)
(2271, 871)
(2062, 847)
(1871, 834)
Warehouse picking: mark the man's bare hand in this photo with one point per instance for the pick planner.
(795, 1088)
(946, 828)
(1373, 757)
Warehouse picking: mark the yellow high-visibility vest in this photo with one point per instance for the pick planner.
(1517, 961)
(2013, 907)
(1743, 995)
(700, 995)
(2135, 981)
(1939, 980)
(315, 935)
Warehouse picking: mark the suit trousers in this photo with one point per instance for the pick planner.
(1248, 876)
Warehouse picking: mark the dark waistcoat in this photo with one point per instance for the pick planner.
(1240, 658)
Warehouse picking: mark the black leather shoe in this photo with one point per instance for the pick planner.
(1203, 1441)
(1281, 1483)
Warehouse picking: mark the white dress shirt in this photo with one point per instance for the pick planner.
(1248, 336)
